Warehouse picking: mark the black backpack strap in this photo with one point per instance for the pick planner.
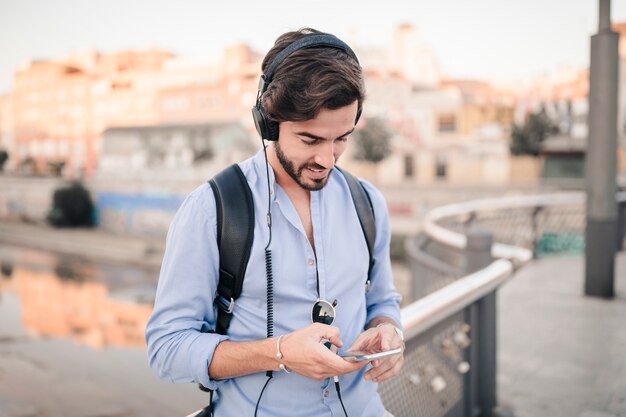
(208, 410)
(235, 233)
(365, 212)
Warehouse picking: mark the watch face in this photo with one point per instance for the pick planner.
(399, 332)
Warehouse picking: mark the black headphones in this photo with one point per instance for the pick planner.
(268, 129)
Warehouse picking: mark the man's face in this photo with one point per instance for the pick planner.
(307, 151)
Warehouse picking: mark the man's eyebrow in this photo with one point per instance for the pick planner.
(312, 136)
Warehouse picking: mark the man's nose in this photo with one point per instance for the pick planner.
(326, 155)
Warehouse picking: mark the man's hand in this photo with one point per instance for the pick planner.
(304, 353)
(378, 339)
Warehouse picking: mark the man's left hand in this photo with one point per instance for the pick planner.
(378, 339)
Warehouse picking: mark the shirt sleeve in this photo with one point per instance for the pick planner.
(382, 298)
(180, 345)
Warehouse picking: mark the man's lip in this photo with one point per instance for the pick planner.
(317, 174)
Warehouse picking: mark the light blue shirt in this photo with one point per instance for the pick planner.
(179, 347)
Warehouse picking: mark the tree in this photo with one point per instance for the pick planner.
(372, 142)
(527, 139)
(56, 167)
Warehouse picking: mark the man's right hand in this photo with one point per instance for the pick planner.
(304, 352)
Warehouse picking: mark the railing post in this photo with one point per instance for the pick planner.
(621, 225)
(470, 355)
(481, 391)
(535, 224)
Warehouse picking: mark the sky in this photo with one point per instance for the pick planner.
(493, 40)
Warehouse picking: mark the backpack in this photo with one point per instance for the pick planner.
(235, 233)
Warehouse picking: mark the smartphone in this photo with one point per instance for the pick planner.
(367, 357)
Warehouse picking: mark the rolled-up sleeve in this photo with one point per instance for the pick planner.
(382, 299)
(178, 333)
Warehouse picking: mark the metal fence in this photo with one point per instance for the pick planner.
(463, 254)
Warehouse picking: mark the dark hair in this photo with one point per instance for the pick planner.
(310, 79)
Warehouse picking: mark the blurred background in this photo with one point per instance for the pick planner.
(111, 112)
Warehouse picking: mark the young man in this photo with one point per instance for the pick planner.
(311, 97)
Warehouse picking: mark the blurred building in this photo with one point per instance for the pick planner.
(563, 97)
(186, 151)
(7, 133)
(444, 129)
(61, 108)
(224, 93)
(448, 130)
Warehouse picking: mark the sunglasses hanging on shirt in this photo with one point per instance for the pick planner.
(323, 312)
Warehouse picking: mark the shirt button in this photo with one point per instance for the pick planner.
(326, 394)
(311, 261)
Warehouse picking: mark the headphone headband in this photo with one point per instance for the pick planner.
(310, 41)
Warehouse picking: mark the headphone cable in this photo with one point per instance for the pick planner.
(336, 379)
(268, 273)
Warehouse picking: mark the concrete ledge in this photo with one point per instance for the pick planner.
(86, 243)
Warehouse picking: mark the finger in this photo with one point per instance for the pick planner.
(336, 365)
(366, 341)
(382, 367)
(390, 373)
(358, 342)
(386, 337)
(346, 367)
(374, 373)
(330, 333)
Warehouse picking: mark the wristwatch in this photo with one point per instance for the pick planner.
(397, 329)
(399, 333)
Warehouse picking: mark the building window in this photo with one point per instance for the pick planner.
(441, 167)
(447, 123)
(175, 103)
(409, 166)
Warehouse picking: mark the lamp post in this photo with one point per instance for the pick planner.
(601, 164)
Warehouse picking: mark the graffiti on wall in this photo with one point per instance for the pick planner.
(139, 214)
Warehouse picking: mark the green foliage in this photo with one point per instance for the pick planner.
(4, 155)
(372, 142)
(56, 167)
(72, 206)
(527, 139)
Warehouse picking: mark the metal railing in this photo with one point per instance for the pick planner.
(464, 253)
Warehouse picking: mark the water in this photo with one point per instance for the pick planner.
(72, 344)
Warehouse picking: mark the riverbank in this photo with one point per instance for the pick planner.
(86, 243)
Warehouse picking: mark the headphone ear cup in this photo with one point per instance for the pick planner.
(259, 121)
(272, 129)
(267, 129)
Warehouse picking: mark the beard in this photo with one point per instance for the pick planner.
(309, 184)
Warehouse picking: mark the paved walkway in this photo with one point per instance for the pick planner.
(561, 354)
